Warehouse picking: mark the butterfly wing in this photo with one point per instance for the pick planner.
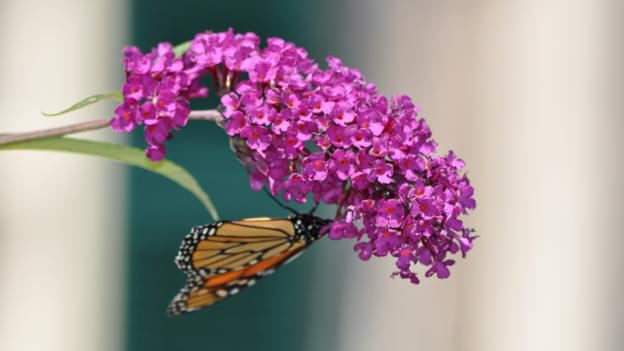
(222, 247)
(201, 292)
(222, 258)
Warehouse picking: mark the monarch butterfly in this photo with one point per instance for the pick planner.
(224, 257)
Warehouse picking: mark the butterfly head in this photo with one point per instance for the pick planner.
(309, 227)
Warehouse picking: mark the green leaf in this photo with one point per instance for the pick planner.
(179, 50)
(115, 95)
(125, 154)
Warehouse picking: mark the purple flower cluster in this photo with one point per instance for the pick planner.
(156, 94)
(303, 131)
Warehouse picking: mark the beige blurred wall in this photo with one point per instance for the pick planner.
(61, 216)
(529, 94)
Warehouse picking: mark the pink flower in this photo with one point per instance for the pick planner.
(343, 164)
(156, 152)
(365, 250)
(133, 89)
(340, 137)
(390, 213)
(262, 115)
(343, 230)
(387, 241)
(296, 188)
(231, 102)
(257, 138)
(260, 69)
(156, 134)
(315, 167)
(125, 118)
(280, 122)
(304, 130)
(361, 139)
(381, 172)
(237, 124)
(404, 259)
(342, 115)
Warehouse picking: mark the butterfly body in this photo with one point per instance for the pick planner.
(222, 258)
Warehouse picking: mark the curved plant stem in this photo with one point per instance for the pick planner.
(201, 115)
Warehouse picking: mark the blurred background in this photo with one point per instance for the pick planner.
(529, 93)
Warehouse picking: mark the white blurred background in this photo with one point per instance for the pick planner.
(529, 93)
(61, 216)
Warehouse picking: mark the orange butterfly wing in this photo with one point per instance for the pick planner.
(222, 258)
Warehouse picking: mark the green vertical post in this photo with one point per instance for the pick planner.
(272, 315)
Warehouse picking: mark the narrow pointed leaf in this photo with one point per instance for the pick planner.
(121, 153)
(114, 95)
(180, 49)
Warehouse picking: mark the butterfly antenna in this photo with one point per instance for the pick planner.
(313, 209)
(279, 203)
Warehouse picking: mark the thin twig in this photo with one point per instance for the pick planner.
(206, 115)
(52, 132)
(201, 115)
